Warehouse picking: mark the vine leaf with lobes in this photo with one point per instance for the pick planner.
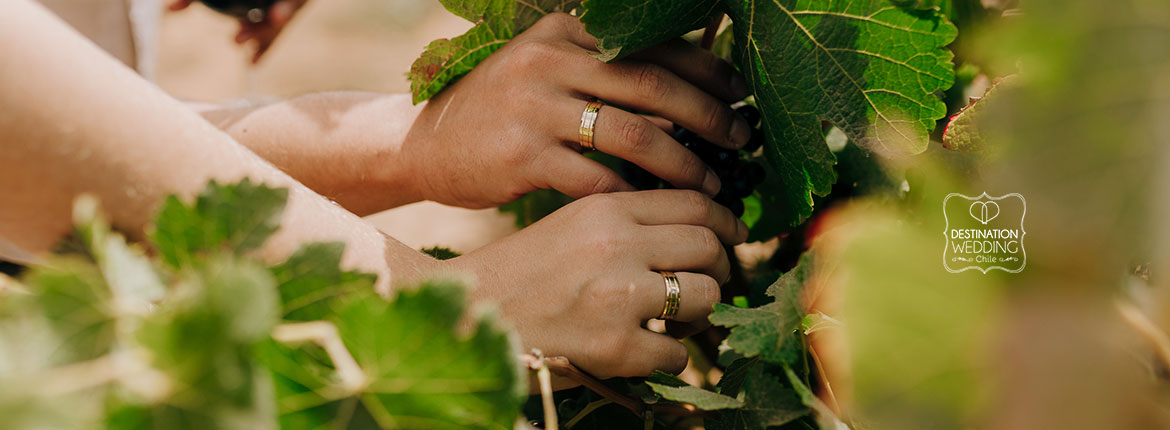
(872, 68)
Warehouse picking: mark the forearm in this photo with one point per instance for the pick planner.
(344, 145)
(108, 132)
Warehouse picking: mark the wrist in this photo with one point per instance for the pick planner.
(366, 169)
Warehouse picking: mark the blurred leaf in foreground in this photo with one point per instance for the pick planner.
(237, 217)
(419, 372)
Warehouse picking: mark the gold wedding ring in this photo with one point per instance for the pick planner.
(588, 120)
(673, 298)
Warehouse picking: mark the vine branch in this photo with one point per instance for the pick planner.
(710, 32)
(561, 366)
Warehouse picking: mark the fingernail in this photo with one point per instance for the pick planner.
(741, 132)
(742, 230)
(711, 184)
(738, 86)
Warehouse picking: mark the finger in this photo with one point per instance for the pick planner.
(699, 67)
(280, 13)
(686, 248)
(179, 4)
(679, 329)
(262, 46)
(244, 35)
(659, 91)
(664, 207)
(578, 176)
(653, 351)
(661, 123)
(697, 294)
(639, 141)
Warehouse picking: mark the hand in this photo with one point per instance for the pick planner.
(263, 32)
(581, 281)
(511, 125)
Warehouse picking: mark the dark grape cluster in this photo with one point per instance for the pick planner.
(241, 8)
(739, 177)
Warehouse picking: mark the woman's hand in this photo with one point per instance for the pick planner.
(581, 281)
(512, 125)
(263, 32)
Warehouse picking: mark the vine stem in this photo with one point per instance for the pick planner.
(325, 335)
(1139, 322)
(588, 409)
(710, 32)
(546, 394)
(561, 366)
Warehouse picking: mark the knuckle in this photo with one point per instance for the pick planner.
(605, 183)
(718, 118)
(636, 134)
(710, 244)
(650, 83)
(692, 171)
(709, 292)
(530, 52)
(698, 205)
(553, 21)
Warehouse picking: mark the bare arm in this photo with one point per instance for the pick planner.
(346, 146)
(73, 120)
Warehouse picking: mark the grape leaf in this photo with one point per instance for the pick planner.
(825, 416)
(312, 278)
(238, 217)
(623, 27)
(671, 387)
(767, 402)
(202, 340)
(870, 68)
(535, 205)
(770, 331)
(702, 399)
(496, 22)
(441, 252)
(421, 373)
(962, 131)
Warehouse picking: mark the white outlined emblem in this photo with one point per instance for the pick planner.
(984, 233)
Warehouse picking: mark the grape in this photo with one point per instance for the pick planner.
(755, 142)
(740, 178)
(240, 8)
(749, 113)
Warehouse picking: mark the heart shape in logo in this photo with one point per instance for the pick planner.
(984, 212)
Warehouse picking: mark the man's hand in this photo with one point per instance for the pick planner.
(511, 125)
(263, 32)
(582, 281)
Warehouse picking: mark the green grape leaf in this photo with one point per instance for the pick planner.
(73, 298)
(734, 376)
(770, 331)
(496, 22)
(420, 372)
(238, 217)
(312, 278)
(870, 68)
(202, 338)
(767, 401)
(441, 253)
(535, 205)
(623, 27)
(702, 399)
(825, 416)
(962, 131)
